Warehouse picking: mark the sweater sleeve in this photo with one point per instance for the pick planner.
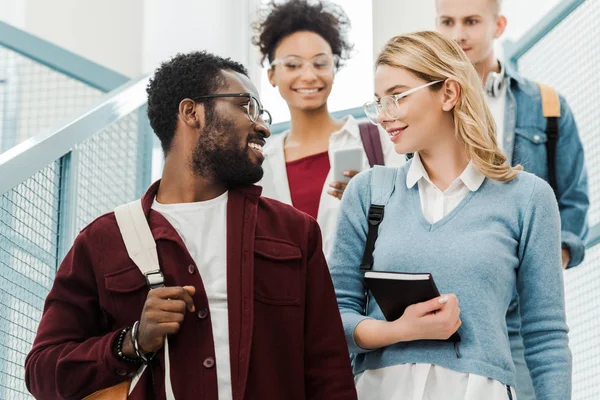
(346, 256)
(541, 295)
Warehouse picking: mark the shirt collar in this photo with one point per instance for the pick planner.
(350, 126)
(471, 177)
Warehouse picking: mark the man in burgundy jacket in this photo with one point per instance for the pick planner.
(248, 302)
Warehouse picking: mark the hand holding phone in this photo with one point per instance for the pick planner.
(347, 160)
(346, 164)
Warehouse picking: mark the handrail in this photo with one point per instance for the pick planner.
(27, 158)
(59, 59)
(513, 51)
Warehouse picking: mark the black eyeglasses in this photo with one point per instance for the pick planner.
(253, 108)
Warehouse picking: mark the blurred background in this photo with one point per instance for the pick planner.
(75, 142)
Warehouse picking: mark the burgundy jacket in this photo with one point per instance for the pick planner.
(285, 331)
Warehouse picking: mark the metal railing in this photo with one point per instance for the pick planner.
(52, 186)
(563, 51)
(41, 84)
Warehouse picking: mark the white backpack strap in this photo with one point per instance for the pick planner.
(139, 241)
(141, 248)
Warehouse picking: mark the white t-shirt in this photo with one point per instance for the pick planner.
(497, 106)
(203, 229)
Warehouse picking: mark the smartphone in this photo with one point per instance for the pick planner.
(347, 160)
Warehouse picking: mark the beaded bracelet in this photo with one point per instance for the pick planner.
(120, 355)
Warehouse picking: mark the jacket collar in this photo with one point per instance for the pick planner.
(512, 73)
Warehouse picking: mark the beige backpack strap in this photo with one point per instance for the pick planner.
(141, 248)
(550, 101)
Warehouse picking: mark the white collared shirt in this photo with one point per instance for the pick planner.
(436, 204)
(428, 381)
(276, 185)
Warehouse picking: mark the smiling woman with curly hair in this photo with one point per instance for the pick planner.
(305, 43)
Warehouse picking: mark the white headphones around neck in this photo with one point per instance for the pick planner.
(494, 82)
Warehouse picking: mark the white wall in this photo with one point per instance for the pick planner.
(395, 17)
(13, 12)
(108, 32)
(221, 27)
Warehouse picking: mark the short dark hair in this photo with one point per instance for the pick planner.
(279, 20)
(184, 76)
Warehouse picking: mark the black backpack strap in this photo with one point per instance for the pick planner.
(552, 133)
(383, 181)
(551, 110)
(375, 218)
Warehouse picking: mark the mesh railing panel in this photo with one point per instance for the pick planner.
(582, 285)
(567, 58)
(28, 251)
(34, 97)
(107, 166)
(103, 171)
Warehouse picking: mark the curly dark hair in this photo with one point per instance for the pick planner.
(278, 20)
(184, 76)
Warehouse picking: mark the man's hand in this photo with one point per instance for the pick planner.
(337, 188)
(162, 315)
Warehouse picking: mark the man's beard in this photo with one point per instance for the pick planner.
(220, 155)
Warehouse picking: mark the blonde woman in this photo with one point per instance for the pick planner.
(459, 212)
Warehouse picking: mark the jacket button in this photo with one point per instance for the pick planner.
(536, 138)
(203, 313)
(191, 268)
(209, 362)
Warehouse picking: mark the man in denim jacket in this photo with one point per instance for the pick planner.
(516, 105)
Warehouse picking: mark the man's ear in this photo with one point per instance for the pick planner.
(500, 26)
(271, 75)
(450, 94)
(191, 113)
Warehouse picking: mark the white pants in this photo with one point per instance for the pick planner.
(427, 382)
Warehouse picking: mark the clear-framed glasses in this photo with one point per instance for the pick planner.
(323, 64)
(389, 105)
(253, 108)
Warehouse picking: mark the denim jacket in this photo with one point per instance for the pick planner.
(525, 143)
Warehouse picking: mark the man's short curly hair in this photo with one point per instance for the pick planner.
(278, 20)
(184, 76)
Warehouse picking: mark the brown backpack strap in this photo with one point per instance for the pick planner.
(550, 101)
(551, 111)
(369, 134)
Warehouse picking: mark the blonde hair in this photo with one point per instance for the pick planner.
(431, 57)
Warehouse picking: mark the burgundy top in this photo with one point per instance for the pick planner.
(306, 178)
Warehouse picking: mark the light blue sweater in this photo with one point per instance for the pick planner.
(502, 236)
